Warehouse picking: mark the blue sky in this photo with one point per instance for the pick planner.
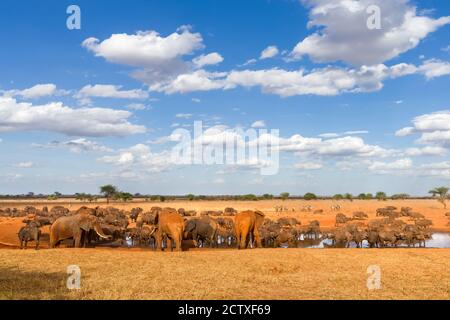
(357, 109)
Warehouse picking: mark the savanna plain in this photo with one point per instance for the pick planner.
(203, 273)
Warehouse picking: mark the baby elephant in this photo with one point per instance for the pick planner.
(29, 233)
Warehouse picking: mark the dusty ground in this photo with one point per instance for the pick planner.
(225, 274)
(228, 274)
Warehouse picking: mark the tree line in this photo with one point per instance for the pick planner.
(111, 192)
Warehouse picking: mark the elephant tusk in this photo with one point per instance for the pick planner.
(102, 236)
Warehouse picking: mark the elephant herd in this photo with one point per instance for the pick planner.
(167, 228)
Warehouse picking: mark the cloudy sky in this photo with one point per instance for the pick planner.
(358, 109)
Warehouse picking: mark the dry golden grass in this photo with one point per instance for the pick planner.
(225, 274)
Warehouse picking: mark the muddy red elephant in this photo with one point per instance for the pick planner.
(247, 223)
(169, 225)
(74, 227)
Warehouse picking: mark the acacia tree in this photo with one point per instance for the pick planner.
(381, 196)
(338, 197)
(441, 193)
(348, 196)
(362, 196)
(309, 196)
(124, 196)
(108, 191)
(284, 195)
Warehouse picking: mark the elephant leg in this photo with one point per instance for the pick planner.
(179, 242)
(26, 243)
(195, 237)
(238, 238)
(170, 244)
(257, 238)
(38, 238)
(243, 244)
(21, 243)
(53, 239)
(157, 242)
(77, 240)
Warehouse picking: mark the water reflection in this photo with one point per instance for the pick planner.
(438, 240)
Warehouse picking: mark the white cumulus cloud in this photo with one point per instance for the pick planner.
(342, 30)
(209, 59)
(110, 91)
(56, 117)
(269, 52)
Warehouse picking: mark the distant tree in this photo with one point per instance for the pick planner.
(109, 191)
(284, 195)
(362, 196)
(309, 196)
(338, 197)
(30, 194)
(348, 196)
(381, 196)
(267, 196)
(190, 197)
(250, 197)
(441, 193)
(400, 196)
(162, 198)
(369, 196)
(54, 196)
(124, 196)
(81, 196)
(58, 194)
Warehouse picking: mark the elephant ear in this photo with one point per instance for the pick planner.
(87, 223)
(190, 225)
(260, 213)
(157, 218)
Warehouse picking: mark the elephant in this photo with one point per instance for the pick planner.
(74, 227)
(170, 225)
(86, 210)
(247, 223)
(204, 229)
